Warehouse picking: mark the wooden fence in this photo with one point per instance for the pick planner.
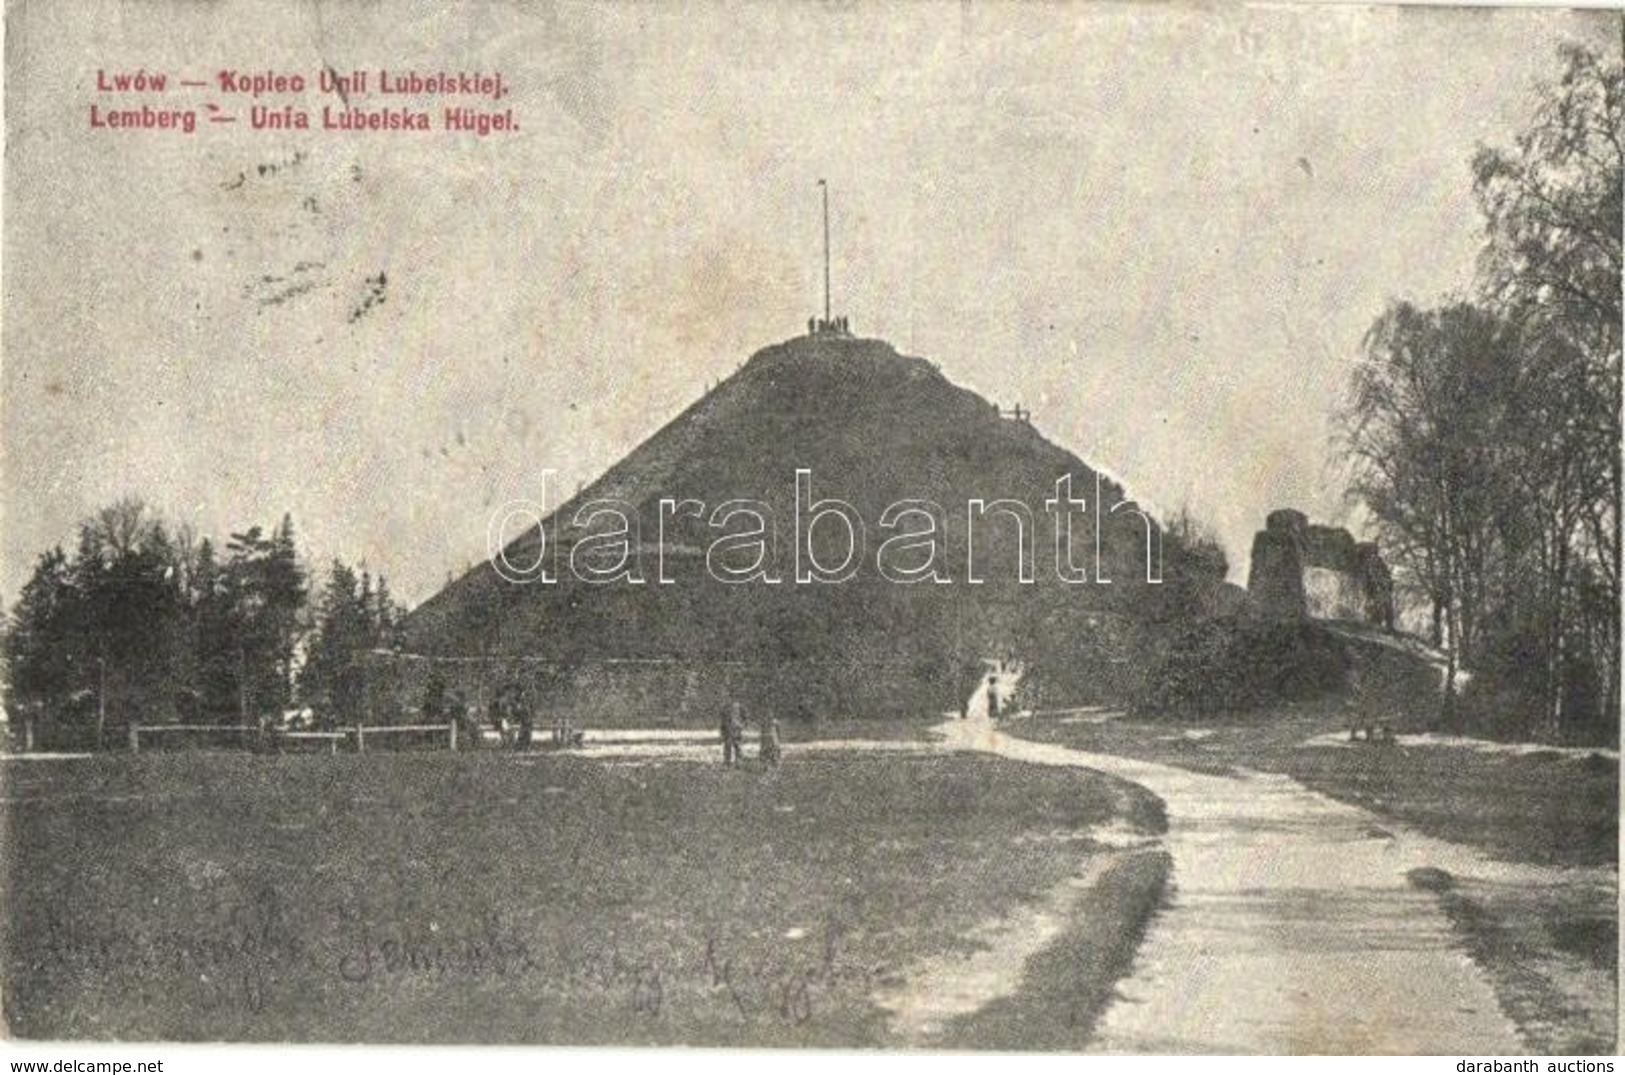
(246, 737)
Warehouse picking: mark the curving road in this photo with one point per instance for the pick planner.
(1290, 927)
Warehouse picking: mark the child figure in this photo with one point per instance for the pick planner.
(769, 750)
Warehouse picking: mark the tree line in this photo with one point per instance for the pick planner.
(1484, 431)
(145, 623)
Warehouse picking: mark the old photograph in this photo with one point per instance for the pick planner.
(942, 526)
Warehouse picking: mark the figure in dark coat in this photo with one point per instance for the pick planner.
(733, 734)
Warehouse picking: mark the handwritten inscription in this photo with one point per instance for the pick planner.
(243, 954)
(252, 954)
(381, 952)
(790, 989)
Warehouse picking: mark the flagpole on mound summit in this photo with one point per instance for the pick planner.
(824, 188)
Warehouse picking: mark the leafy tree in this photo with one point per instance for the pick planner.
(131, 629)
(265, 590)
(216, 667)
(352, 618)
(142, 623)
(1552, 204)
(1485, 435)
(1198, 552)
(1427, 391)
(44, 667)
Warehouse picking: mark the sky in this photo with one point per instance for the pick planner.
(1164, 229)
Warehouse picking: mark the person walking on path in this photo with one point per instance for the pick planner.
(733, 732)
(769, 749)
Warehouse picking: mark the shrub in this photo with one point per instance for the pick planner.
(1233, 663)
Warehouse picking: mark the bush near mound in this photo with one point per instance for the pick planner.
(1233, 663)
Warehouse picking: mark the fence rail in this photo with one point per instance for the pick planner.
(137, 731)
(275, 738)
(361, 733)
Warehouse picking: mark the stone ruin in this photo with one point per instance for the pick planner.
(1300, 569)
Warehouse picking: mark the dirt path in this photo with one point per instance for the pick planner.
(1291, 926)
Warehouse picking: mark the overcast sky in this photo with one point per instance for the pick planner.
(1162, 229)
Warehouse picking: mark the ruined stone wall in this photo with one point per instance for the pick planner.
(1301, 569)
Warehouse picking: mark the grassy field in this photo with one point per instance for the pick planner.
(500, 898)
(1543, 807)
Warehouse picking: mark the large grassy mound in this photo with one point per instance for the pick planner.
(874, 428)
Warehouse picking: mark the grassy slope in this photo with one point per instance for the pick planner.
(1065, 987)
(488, 898)
(1550, 953)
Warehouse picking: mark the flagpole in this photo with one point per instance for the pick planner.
(824, 187)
